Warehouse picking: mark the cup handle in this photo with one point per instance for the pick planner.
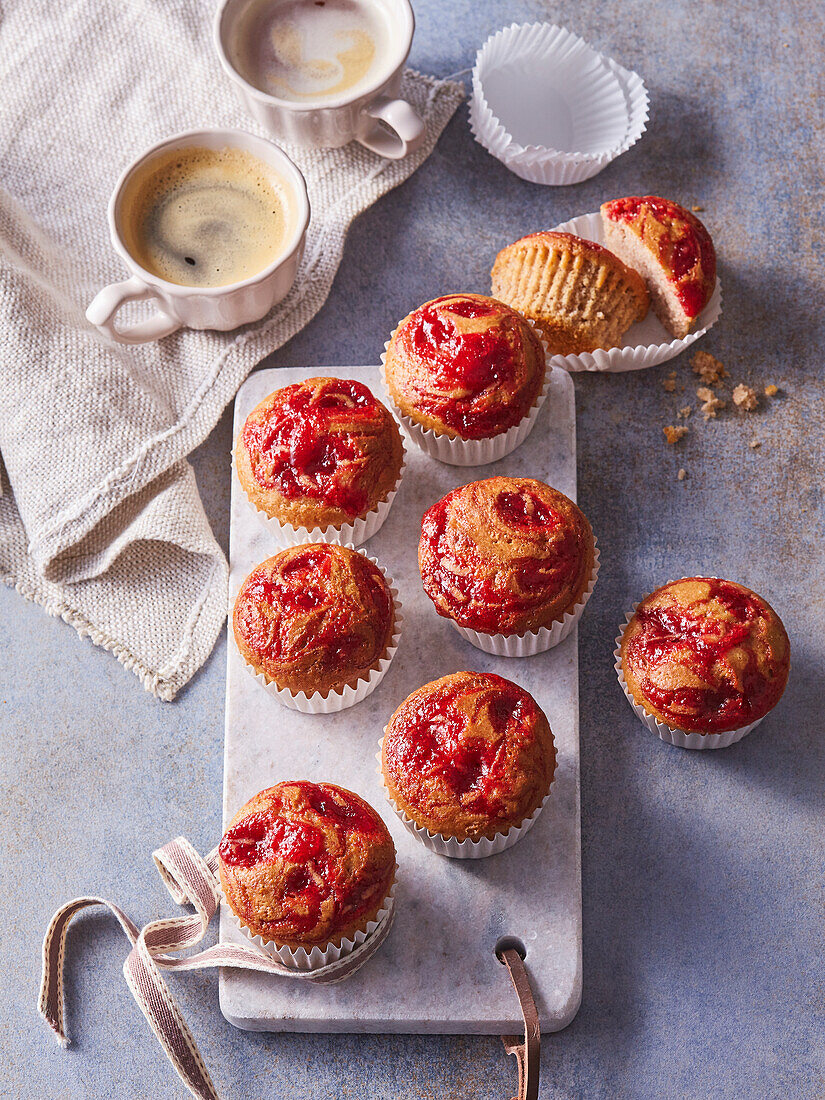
(390, 127)
(101, 313)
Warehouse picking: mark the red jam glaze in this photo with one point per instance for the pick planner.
(433, 738)
(668, 632)
(685, 249)
(538, 580)
(471, 362)
(302, 588)
(267, 837)
(305, 437)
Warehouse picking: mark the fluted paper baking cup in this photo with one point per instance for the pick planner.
(364, 943)
(532, 641)
(550, 107)
(339, 698)
(470, 452)
(462, 849)
(355, 533)
(683, 739)
(647, 342)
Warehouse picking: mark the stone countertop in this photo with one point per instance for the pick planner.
(703, 932)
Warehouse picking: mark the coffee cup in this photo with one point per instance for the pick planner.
(322, 73)
(211, 224)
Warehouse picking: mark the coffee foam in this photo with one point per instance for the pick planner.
(303, 50)
(206, 217)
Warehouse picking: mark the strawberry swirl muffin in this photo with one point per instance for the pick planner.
(307, 865)
(319, 454)
(671, 249)
(468, 757)
(704, 656)
(506, 556)
(465, 368)
(314, 619)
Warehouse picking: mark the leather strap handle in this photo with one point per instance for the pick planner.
(527, 1051)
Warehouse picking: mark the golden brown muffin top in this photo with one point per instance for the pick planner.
(705, 654)
(558, 241)
(306, 863)
(314, 617)
(325, 442)
(468, 755)
(505, 555)
(465, 365)
(677, 239)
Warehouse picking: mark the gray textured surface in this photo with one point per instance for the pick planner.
(703, 932)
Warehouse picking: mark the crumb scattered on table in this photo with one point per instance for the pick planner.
(754, 443)
(709, 369)
(674, 434)
(669, 383)
(684, 412)
(710, 402)
(697, 209)
(682, 474)
(744, 398)
(771, 390)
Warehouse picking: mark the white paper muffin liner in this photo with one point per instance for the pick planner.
(470, 452)
(683, 739)
(605, 106)
(647, 342)
(451, 846)
(355, 533)
(364, 943)
(533, 641)
(340, 698)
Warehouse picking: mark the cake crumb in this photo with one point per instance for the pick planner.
(744, 398)
(682, 474)
(697, 209)
(710, 402)
(709, 369)
(771, 390)
(669, 383)
(673, 434)
(754, 443)
(684, 412)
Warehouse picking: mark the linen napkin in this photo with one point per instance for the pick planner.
(100, 518)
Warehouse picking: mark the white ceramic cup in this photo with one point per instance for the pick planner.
(374, 116)
(217, 307)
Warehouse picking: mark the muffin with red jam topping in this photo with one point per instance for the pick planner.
(469, 757)
(314, 620)
(467, 369)
(508, 556)
(306, 865)
(671, 249)
(705, 656)
(577, 292)
(320, 455)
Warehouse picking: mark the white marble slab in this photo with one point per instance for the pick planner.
(437, 972)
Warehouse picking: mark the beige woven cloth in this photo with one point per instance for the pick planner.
(100, 518)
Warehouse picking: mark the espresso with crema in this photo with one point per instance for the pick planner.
(308, 50)
(206, 217)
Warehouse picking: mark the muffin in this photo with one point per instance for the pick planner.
(465, 367)
(314, 619)
(305, 865)
(577, 293)
(319, 454)
(468, 757)
(506, 555)
(705, 655)
(671, 249)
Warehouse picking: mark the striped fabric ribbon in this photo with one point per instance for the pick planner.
(191, 880)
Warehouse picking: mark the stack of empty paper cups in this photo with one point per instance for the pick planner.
(550, 107)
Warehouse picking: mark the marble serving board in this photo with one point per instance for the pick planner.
(437, 970)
